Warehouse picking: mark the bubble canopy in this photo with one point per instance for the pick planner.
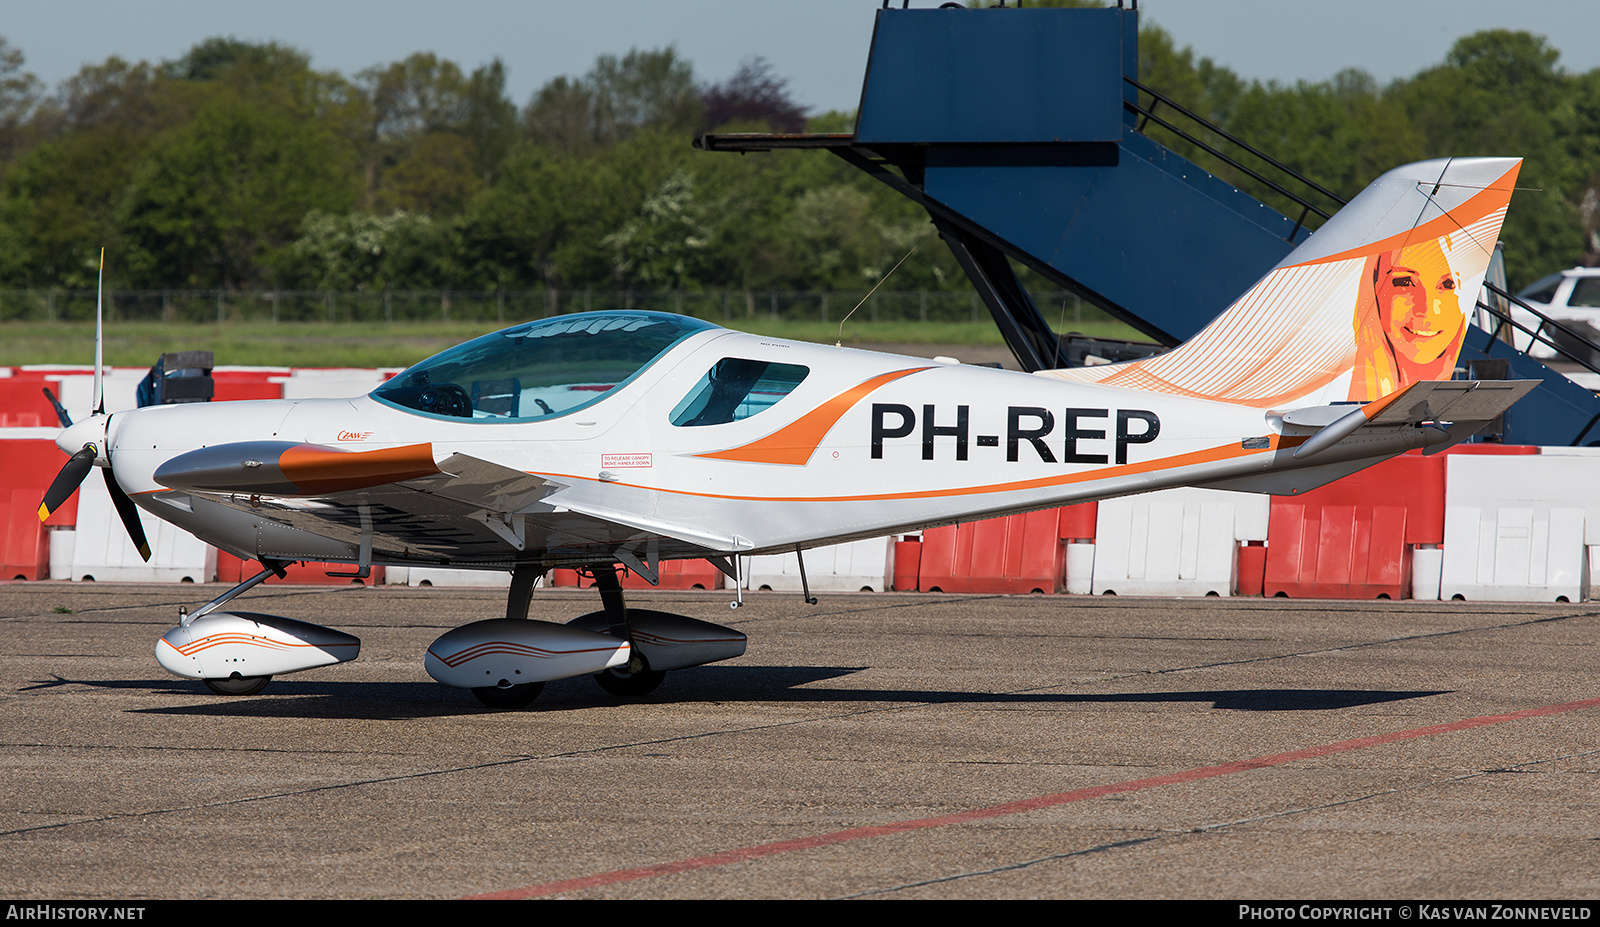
(539, 370)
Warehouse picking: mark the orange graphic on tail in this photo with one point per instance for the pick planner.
(1409, 322)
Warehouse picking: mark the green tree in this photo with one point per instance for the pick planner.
(436, 176)
(512, 233)
(491, 120)
(665, 244)
(215, 204)
(617, 99)
(1501, 93)
(135, 98)
(361, 251)
(69, 159)
(558, 116)
(1584, 156)
(434, 135)
(19, 93)
(58, 207)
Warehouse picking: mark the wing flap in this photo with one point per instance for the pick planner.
(700, 539)
(473, 481)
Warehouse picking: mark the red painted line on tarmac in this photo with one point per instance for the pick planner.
(1016, 807)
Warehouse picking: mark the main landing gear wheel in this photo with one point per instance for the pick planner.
(238, 685)
(632, 680)
(510, 697)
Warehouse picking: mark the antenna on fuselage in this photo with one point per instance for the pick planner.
(840, 342)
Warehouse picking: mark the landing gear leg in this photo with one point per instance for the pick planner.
(506, 695)
(235, 684)
(635, 678)
(270, 567)
(522, 580)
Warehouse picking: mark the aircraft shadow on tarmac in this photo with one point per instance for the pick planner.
(292, 697)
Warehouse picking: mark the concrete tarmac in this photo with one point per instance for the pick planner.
(871, 746)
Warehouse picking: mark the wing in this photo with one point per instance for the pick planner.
(399, 505)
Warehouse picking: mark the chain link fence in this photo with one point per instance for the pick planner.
(1061, 309)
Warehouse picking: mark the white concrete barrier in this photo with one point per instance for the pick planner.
(1517, 528)
(101, 548)
(120, 385)
(852, 567)
(330, 382)
(434, 576)
(1174, 542)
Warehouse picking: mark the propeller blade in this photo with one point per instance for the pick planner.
(129, 513)
(61, 410)
(99, 339)
(66, 482)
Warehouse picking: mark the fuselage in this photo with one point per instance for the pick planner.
(855, 444)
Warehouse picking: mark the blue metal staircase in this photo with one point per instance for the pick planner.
(1022, 132)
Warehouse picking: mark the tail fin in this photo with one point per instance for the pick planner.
(1376, 299)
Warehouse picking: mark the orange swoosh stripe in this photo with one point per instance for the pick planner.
(794, 443)
(1208, 455)
(1481, 204)
(218, 640)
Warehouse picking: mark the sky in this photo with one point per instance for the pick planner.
(820, 46)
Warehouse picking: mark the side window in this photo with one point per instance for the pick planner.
(735, 389)
(1586, 293)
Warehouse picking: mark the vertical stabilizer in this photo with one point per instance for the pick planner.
(1377, 299)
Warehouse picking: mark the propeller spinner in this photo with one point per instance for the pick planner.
(89, 436)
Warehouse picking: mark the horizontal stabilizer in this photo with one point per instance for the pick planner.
(1433, 402)
(1449, 401)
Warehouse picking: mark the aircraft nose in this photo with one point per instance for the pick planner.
(91, 430)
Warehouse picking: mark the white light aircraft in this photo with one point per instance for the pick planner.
(629, 438)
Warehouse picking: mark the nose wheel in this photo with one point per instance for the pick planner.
(509, 697)
(237, 685)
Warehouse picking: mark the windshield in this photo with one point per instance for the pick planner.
(539, 369)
